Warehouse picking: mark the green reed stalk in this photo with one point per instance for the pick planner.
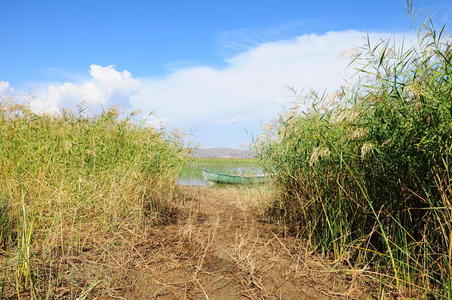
(366, 176)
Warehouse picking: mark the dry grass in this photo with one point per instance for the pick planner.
(220, 251)
(212, 248)
(78, 194)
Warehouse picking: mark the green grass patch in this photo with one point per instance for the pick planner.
(220, 162)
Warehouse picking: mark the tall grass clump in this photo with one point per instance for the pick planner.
(72, 183)
(364, 173)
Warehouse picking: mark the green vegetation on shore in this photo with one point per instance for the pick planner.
(73, 184)
(365, 174)
(223, 162)
(225, 165)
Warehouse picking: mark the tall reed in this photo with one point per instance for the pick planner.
(72, 181)
(364, 174)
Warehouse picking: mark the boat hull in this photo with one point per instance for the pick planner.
(232, 179)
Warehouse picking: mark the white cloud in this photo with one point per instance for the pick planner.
(105, 86)
(253, 83)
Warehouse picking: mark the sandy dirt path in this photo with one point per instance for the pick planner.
(219, 250)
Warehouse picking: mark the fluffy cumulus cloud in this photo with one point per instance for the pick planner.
(106, 86)
(252, 85)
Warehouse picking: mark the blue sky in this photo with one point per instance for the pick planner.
(199, 65)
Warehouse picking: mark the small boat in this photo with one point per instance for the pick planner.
(232, 179)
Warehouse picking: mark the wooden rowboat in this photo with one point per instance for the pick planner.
(232, 179)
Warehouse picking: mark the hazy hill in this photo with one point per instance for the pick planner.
(222, 153)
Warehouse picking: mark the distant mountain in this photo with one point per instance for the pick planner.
(222, 153)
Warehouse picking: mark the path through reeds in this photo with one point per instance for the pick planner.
(220, 250)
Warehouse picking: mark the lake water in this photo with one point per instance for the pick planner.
(192, 174)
